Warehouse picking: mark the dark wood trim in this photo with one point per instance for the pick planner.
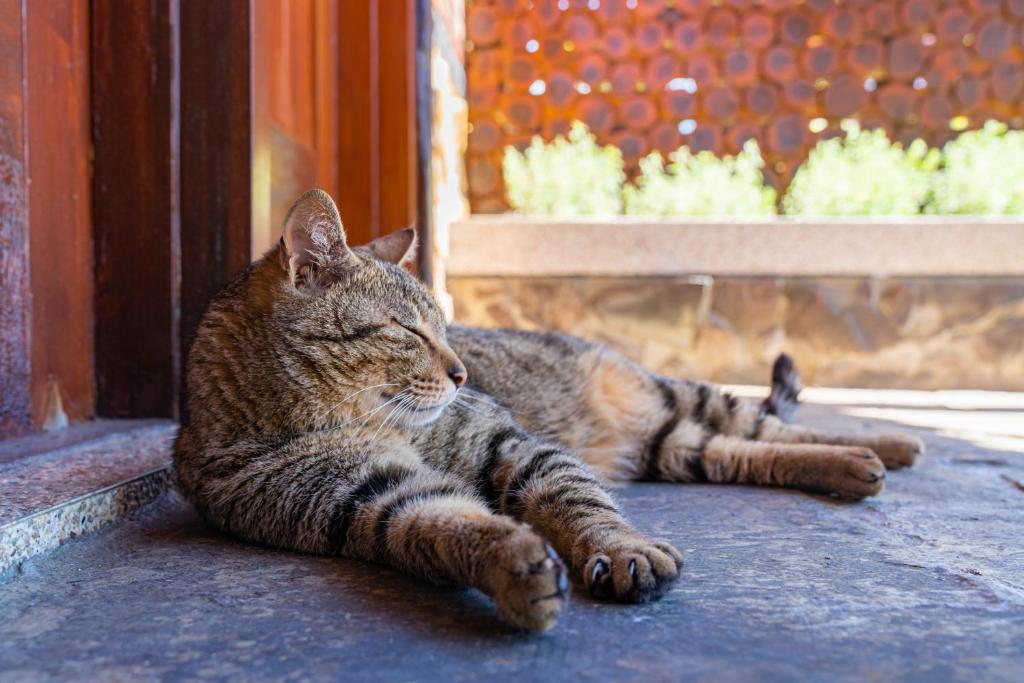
(15, 295)
(216, 151)
(135, 207)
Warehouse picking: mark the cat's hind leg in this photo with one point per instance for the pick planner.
(771, 423)
(896, 450)
(691, 454)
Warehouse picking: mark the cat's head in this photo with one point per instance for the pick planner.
(368, 338)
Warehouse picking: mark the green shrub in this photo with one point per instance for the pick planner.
(701, 184)
(982, 173)
(862, 174)
(567, 177)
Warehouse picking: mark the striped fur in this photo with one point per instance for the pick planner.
(327, 414)
(629, 423)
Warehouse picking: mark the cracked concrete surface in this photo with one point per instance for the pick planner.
(924, 582)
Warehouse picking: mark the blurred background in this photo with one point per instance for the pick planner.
(840, 179)
(700, 183)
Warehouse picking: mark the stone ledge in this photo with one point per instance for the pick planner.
(50, 496)
(928, 333)
(525, 246)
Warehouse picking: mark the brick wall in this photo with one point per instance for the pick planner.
(655, 74)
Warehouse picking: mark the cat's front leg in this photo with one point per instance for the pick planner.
(392, 510)
(429, 525)
(552, 490)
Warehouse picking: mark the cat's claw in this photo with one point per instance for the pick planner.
(599, 576)
(635, 571)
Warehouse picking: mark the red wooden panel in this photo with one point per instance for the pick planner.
(326, 92)
(358, 120)
(377, 117)
(295, 108)
(57, 104)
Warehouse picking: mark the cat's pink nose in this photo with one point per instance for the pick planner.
(458, 374)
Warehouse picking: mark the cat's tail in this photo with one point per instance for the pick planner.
(783, 400)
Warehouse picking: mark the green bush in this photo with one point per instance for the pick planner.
(859, 174)
(701, 184)
(982, 173)
(567, 177)
(862, 174)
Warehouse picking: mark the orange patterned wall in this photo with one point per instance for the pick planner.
(654, 74)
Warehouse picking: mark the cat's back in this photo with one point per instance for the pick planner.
(537, 375)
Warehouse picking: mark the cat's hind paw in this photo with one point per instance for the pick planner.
(634, 570)
(898, 450)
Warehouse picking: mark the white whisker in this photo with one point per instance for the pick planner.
(351, 396)
(366, 416)
(396, 412)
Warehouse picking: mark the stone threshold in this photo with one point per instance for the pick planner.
(528, 246)
(95, 474)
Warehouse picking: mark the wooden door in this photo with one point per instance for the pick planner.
(204, 121)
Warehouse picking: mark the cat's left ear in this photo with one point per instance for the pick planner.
(313, 246)
(396, 247)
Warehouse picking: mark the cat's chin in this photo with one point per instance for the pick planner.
(421, 417)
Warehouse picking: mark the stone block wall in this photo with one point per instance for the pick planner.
(910, 333)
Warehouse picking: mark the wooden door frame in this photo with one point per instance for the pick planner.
(172, 178)
(168, 99)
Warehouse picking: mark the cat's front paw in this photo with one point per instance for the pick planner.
(528, 581)
(898, 450)
(632, 569)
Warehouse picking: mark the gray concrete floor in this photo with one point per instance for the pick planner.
(925, 582)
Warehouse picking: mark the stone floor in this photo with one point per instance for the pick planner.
(924, 582)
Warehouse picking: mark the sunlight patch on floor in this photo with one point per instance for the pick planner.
(1001, 430)
(990, 419)
(906, 398)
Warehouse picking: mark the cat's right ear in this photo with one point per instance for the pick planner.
(313, 241)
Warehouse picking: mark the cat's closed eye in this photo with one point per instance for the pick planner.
(410, 328)
(345, 337)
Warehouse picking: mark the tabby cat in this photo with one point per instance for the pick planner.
(332, 410)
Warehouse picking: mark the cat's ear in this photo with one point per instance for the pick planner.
(396, 247)
(313, 241)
